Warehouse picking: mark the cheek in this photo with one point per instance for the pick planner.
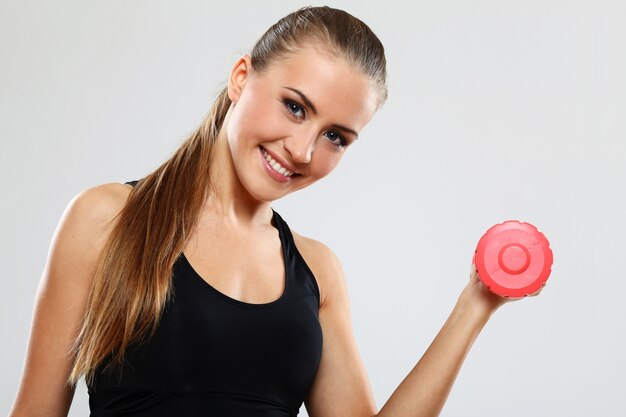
(256, 122)
(325, 162)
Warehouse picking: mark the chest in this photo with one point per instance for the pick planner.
(205, 342)
(246, 267)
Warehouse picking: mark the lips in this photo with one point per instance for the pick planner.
(281, 162)
(273, 173)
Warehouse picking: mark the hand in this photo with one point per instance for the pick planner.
(479, 293)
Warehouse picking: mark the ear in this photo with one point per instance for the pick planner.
(238, 76)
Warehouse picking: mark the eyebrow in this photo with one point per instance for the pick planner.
(312, 106)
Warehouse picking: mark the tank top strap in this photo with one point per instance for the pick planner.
(132, 182)
(295, 261)
(284, 230)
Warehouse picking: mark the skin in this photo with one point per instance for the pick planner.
(238, 211)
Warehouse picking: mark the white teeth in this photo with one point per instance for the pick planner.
(274, 164)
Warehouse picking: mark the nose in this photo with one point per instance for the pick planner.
(300, 147)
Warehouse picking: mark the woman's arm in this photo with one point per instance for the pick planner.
(425, 389)
(61, 299)
(341, 386)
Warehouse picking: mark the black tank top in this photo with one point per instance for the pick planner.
(213, 355)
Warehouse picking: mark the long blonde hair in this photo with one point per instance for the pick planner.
(133, 278)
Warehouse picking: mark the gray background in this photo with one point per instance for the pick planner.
(497, 110)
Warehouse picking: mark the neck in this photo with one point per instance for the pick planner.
(228, 201)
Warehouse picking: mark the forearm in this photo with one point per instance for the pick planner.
(425, 389)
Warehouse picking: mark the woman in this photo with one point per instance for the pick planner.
(185, 294)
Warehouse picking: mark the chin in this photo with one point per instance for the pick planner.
(266, 189)
(264, 193)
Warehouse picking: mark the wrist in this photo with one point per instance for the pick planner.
(479, 301)
(470, 314)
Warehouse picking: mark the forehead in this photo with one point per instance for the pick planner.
(336, 88)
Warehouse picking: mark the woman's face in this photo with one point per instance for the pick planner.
(304, 111)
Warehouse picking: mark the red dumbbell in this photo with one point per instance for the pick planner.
(513, 259)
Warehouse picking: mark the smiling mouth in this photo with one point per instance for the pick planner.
(276, 166)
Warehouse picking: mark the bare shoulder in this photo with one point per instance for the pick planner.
(90, 214)
(93, 212)
(324, 264)
(62, 296)
(86, 224)
(101, 203)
